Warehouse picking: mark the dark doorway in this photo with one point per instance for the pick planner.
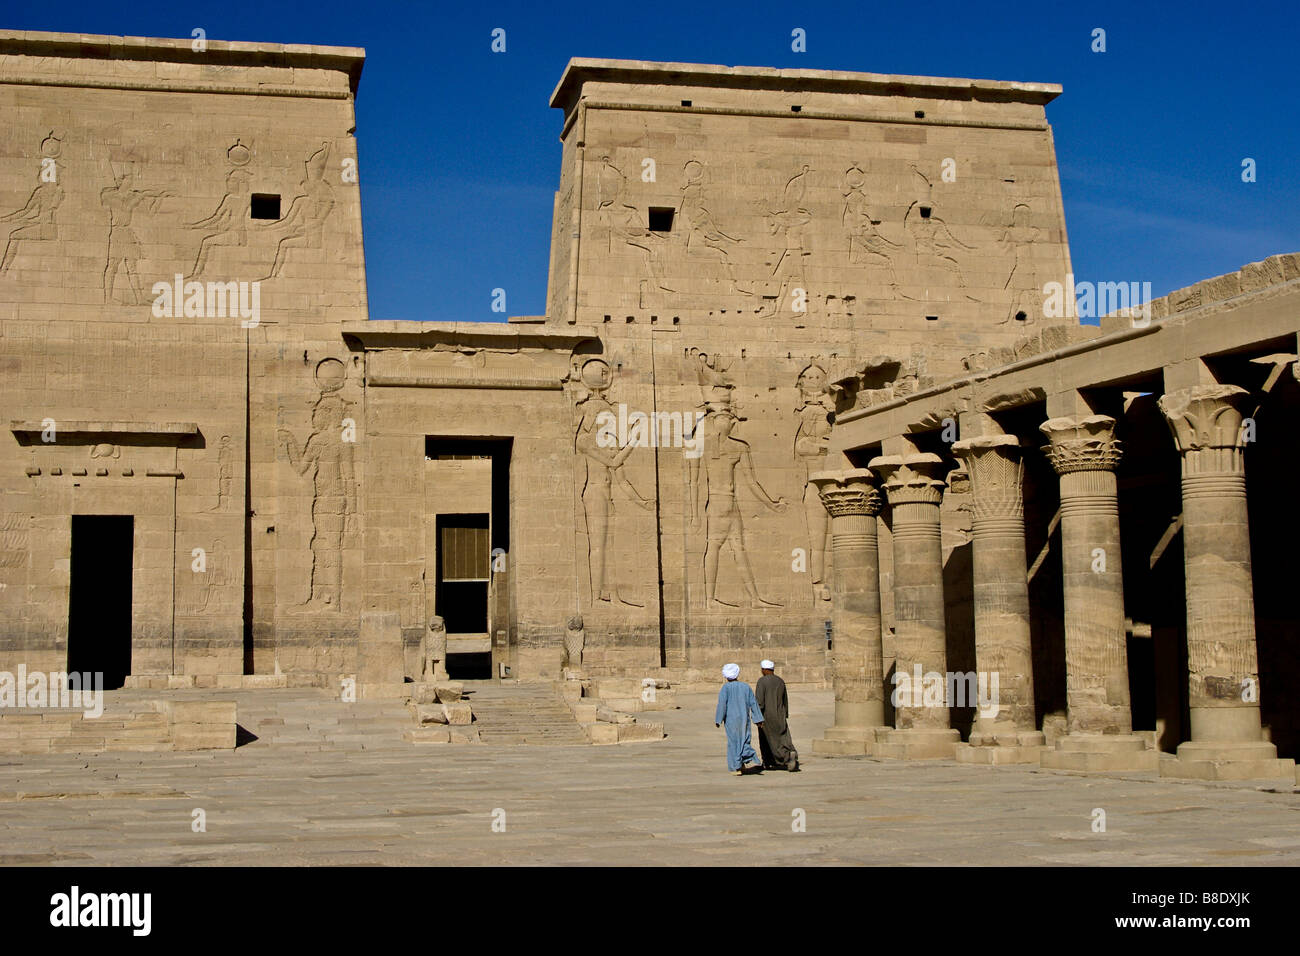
(463, 573)
(99, 605)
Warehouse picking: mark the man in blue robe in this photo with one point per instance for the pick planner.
(737, 707)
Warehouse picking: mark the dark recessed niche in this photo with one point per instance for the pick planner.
(795, 109)
(631, 319)
(686, 102)
(676, 319)
(920, 114)
(606, 318)
(264, 206)
(1020, 317)
(932, 318)
(925, 212)
(661, 218)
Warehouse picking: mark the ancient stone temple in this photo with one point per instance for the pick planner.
(727, 437)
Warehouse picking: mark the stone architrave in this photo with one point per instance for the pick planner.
(1099, 725)
(914, 488)
(1227, 741)
(1006, 731)
(857, 660)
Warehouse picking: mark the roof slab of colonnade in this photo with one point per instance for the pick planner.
(1249, 316)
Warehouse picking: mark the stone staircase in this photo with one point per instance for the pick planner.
(522, 714)
(126, 723)
(306, 720)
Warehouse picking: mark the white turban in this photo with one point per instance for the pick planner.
(767, 665)
(731, 671)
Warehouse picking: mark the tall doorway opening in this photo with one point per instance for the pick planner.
(464, 573)
(467, 538)
(99, 600)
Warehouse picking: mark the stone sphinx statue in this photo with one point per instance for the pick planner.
(433, 651)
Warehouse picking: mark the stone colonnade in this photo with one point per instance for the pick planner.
(1226, 735)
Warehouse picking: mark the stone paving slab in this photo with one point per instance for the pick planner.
(669, 802)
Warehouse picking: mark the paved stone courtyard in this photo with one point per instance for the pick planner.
(333, 783)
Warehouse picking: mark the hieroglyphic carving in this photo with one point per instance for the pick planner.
(225, 473)
(217, 576)
(716, 469)
(704, 238)
(303, 223)
(1023, 285)
(816, 412)
(625, 226)
(228, 224)
(786, 262)
(600, 468)
(867, 246)
(105, 450)
(930, 236)
(329, 459)
(36, 218)
(121, 200)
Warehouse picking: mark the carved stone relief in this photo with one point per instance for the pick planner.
(35, 220)
(600, 470)
(329, 460)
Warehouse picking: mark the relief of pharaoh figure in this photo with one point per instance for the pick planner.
(329, 460)
(816, 411)
(600, 469)
(121, 200)
(789, 224)
(723, 457)
(1022, 282)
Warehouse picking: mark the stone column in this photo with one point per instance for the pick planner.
(857, 660)
(1227, 740)
(914, 489)
(1005, 729)
(1099, 735)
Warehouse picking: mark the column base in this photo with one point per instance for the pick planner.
(1228, 761)
(916, 744)
(1100, 753)
(1006, 748)
(847, 742)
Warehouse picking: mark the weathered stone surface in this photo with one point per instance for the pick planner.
(458, 713)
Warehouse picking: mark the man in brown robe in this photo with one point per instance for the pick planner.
(774, 734)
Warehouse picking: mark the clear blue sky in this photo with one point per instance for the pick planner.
(459, 152)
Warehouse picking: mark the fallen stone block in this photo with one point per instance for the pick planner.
(465, 735)
(613, 717)
(449, 693)
(431, 714)
(458, 713)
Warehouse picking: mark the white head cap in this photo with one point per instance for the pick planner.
(731, 671)
(767, 665)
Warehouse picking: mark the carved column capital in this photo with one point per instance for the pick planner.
(911, 479)
(1206, 424)
(1083, 444)
(996, 469)
(850, 492)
